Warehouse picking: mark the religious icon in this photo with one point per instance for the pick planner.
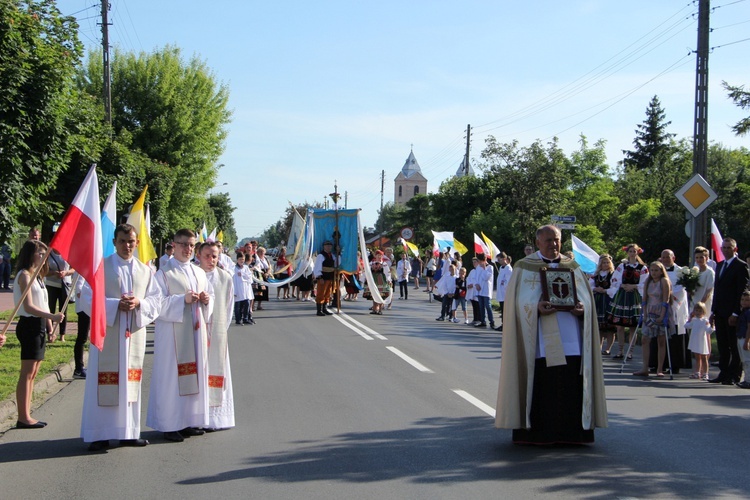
(559, 288)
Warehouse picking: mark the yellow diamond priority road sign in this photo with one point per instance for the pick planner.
(696, 195)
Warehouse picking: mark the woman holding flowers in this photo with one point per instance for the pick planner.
(626, 290)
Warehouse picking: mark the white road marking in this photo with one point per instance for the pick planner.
(352, 328)
(476, 402)
(364, 327)
(416, 364)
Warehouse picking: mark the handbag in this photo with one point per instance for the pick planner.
(462, 293)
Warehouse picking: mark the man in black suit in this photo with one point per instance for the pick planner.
(731, 280)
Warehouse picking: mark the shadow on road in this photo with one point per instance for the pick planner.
(436, 450)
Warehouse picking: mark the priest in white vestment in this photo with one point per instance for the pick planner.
(112, 397)
(178, 398)
(551, 387)
(220, 397)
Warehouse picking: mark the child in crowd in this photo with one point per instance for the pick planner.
(242, 278)
(656, 292)
(459, 298)
(700, 340)
(447, 288)
(743, 337)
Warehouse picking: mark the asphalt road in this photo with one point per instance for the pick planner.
(393, 406)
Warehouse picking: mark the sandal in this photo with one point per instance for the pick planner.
(660, 374)
(630, 356)
(618, 356)
(696, 375)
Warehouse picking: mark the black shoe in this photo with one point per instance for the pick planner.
(717, 380)
(99, 445)
(492, 325)
(24, 425)
(251, 321)
(240, 323)
(191, 431)
(728, 381)
(481, 325)
(174, 436)
(500, 329)
(134, 442)
(80, 374)
(327, 311)
(321, 313)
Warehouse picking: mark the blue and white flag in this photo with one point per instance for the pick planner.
(109, 216)
(585, 256)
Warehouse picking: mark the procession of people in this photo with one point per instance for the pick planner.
(557, 324)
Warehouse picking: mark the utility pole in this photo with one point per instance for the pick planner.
(382, 188)
(699, 228)
(105, 61)
(468, 147)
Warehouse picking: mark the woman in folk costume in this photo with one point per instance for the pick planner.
(626, 291)
(551, 388)
(600, 282)
(112, 399)
(381, 280)
(178, 398)
(262, 270)
(283, 271)
(220, 395)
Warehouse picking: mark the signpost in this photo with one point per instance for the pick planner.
(696, 195)
(563, 218)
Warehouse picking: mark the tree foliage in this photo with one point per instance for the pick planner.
(741, 98)
(39, 49)
(173, 112)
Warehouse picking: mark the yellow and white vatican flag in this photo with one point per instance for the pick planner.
(137, 218)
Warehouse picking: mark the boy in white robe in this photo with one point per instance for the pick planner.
(178, 399)
(112, 397)
(220, 397)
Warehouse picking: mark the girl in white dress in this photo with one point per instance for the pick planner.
(700, 340)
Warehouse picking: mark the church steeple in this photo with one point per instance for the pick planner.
(411, 166)
(409, 181)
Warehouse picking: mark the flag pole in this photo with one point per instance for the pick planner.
(25, 293)
(64, 307)
(336, 249)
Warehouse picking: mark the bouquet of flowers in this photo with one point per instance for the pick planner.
(689, 278)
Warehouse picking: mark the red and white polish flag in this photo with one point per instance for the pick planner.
(79, 241)
(481, 247)
(716, 240)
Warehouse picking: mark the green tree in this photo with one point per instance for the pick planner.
(221, 206)
(176, 113)
(39, 50)
(532, 181)
(741, 98)
(728, 173)
(652, 143)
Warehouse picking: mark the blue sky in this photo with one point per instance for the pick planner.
(340, 90)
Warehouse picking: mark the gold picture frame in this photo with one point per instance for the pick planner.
(559, 288)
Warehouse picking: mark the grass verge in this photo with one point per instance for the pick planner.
(57, 353)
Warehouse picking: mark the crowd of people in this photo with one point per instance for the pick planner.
(191, 304)
(676, 316)
(553, 340)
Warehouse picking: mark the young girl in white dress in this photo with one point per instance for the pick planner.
(700, 340)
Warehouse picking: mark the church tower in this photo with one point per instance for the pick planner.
(409, 182)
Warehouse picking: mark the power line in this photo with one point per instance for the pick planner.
(584, 81)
